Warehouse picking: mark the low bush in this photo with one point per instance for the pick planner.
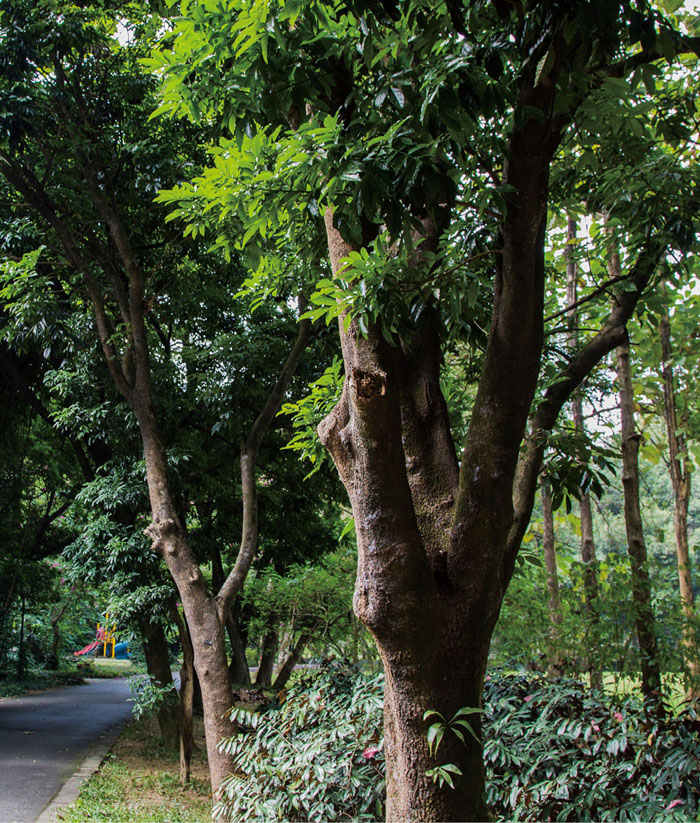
(558, 751)
(315, 754)
(553, 751)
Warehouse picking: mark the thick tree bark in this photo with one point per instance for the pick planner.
(679, 470)
(555, 666)
(155, 649)
(641, 584)
(267, 659)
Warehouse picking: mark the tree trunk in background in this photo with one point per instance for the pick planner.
(588, 559)
(679, 469)
(293, 658)
(267, 659)
(641, 585)
(186, 697)
(555, 667)
(155, 649)
(238, 667)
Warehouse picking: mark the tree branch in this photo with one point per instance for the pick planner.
(249, 450)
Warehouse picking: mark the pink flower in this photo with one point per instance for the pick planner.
(672, 804)
(370, 752)
(618, 716)
(528, 698)
(595, 726)
(488, 677)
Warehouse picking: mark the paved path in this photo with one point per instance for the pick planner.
(44, 738)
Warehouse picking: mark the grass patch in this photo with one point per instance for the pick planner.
(106, 667)
(138, 783)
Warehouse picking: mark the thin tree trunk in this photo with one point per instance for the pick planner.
(680, 480)
(155, 648)
(267, 659)
(588, 558)
(186, 697)
(289, 664)
(641, 584)
(238, 667)
(555, 666)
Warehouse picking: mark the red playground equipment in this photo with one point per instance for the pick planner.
(104, 637)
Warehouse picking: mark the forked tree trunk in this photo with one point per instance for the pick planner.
(641, 584)
(588, 559)
(679, 469)
(555, 666)
(203, 620)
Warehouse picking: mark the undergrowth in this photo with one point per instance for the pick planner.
(553, 751)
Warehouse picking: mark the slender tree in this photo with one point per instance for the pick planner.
(588, 558)
(680, 472)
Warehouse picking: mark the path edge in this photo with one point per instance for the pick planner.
(69, 791)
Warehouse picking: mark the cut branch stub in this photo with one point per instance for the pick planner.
(368, 385)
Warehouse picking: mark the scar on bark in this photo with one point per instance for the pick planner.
(159, 531)
(369, 384)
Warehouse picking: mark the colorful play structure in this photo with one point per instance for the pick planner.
(105, 638)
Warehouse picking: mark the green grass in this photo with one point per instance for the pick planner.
(138, 783)
(106, 667)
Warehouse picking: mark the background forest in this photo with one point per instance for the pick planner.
(228, 232)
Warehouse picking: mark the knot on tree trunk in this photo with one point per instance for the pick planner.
(368, 384)
(161, 533)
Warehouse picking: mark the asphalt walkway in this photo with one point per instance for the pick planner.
(45, 737)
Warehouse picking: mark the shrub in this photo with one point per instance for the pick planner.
(553, 751)
(558, 751)
(316, 754)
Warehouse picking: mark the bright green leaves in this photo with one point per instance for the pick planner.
(308, 412)
(459, 726)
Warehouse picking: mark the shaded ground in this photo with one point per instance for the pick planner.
(44, 737)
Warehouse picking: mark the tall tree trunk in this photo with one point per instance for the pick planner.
(155, 649)
(291, 661)
(186, 697)
(641, 585)
(267, 659)
(679, 469)
(588, 558)
(555, 666)
(201, 612)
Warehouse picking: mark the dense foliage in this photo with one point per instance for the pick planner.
(554, 751)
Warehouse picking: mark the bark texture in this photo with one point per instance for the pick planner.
(679, 470)
(636, 546)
